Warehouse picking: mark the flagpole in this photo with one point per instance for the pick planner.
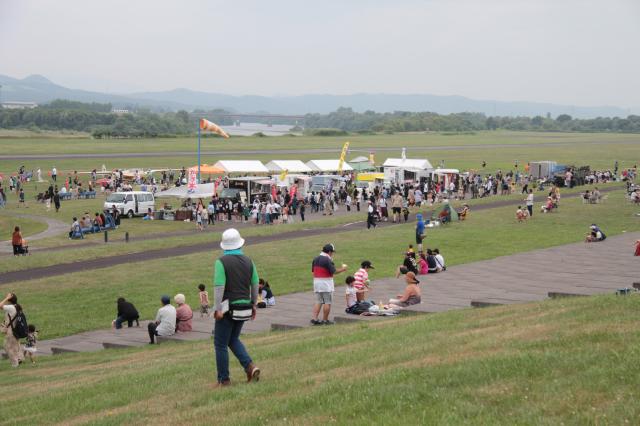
(198, 151)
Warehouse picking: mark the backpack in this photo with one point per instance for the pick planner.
(19, 325)
(359, 308)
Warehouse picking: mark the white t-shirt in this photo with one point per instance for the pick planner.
(167, 317)
(440, 260)
(351, 296)
(530, 199)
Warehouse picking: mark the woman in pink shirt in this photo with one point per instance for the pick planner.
(184, 314)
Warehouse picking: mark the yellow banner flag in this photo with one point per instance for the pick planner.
(212, 127)
(372, 159)
(283, 175)
(343, 155)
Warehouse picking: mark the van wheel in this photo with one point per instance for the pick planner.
(130, 214)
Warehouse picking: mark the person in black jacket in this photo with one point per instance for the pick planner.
(126, 312)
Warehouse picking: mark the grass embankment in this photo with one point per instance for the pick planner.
(570, 361)
(91, 295)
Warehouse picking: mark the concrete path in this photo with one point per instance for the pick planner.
(54, 227)
(574, 269)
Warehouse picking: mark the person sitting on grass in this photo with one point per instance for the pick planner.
(423, 266)
(521, 215)
(126, 313)
(439, 260)
(184, 314)
(352, 293)
(411, 294)
(165, 323)
(431, 262)
(409, 263)
(595, 234)
(548, 207)
(265, 291)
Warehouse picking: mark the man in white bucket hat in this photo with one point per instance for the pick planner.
(235, 283)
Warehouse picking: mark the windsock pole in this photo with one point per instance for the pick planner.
(199, 151)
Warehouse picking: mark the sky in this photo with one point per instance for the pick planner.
(572, 52)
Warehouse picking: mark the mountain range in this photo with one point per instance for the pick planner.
(39, 89)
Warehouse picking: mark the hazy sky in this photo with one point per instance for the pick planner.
(578, 52)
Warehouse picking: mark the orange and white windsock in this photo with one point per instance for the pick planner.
(212, 127)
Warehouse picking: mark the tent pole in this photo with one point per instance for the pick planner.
(198, 151)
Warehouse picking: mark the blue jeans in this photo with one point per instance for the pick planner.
(129, 322)
(227, 334)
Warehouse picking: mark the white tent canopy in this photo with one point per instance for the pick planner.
(408, 163)
(241, 166)
(293, 166)
(327, 165)
(203, 190)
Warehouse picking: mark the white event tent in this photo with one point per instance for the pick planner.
(412, 164)
(292, 166)
(328, 166)
(203, 190)
(241, 166)
(406, 169)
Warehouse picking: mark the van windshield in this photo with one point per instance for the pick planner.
(115, 198)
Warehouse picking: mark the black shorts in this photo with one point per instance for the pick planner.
(396, 210)
(419, 239)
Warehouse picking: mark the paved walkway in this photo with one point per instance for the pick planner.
(577, 269)
(54, 227)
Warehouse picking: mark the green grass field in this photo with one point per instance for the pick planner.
(597, 150)
(570, 361)
(487, 234)
(556, 362)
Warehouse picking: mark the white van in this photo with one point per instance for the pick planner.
(132, 203)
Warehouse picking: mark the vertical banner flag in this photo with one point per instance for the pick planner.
(212, 127)
(404, 154)
(193, 179)
(284, 174)
(294, 192)
(343, 155)
(372, 159)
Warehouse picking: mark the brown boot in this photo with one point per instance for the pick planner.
(253, 373)
(223, 384)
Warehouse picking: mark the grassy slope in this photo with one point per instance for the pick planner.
(557, 362)
(91, 295)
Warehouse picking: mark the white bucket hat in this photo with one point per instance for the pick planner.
(231, 240)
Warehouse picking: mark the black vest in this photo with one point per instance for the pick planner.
(238, 270)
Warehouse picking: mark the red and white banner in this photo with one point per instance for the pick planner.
(193, 179)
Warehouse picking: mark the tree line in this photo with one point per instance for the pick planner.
(401, 121)
(97, 119)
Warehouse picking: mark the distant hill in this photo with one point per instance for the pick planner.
(37, 88)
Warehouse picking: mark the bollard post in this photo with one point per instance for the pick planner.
(126, 237)
(106, 236)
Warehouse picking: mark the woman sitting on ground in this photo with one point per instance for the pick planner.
(184, 314)
(595, 234)
(431, 262)
(423, 266)
(266, 293)
(411, 294)
(409, 263)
